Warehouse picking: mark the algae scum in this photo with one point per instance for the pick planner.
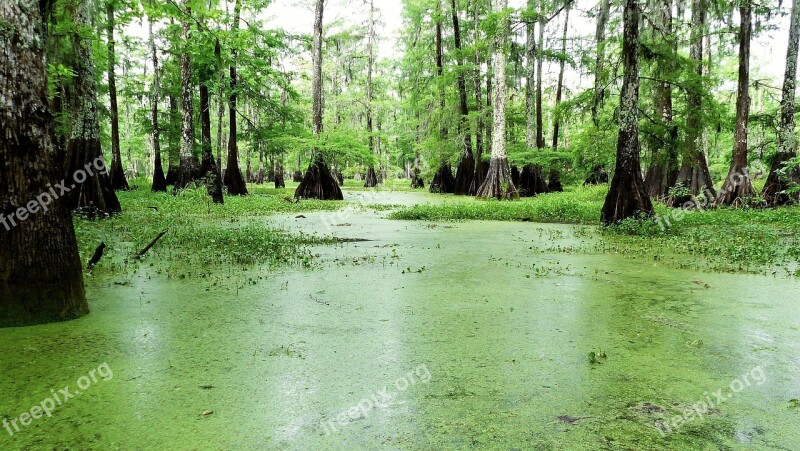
(429, 336)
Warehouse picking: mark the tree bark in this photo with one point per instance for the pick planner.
(40, 270)
(466, 166)
(118, 181)
(599, 65)
(627, 197)
(186, 171)
(371, 180)
(443, 182)
(208, 166)
(95, 197)
(530, 82)
(480, 167)
(233, 179)
(780, 176)
(663, 171)
(738, 185)
(694, 173)
(220, 101)
(498, 183)
(560, 85)
(539, 67)
(318, 183)
(440, 73)
(159, 181)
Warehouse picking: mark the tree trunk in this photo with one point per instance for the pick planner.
(663, 171)
(560, 85)
(95, 197)
(530, 81)
(498, 183)
(220, 102)
(466, 166)
(738, 185)
(174, 152)
(479, 173)
(694, 174)
(489, 92)
(233, 179)
(186, 171)
(159, 181)
(778, 182)
(208, 167)
(440, 73)
(443, 182)
(627, 197)
(40, 270)
(371, 180)
(531, 181)
(539, 68)
(279, 177)
(318, 183)
(599, 65)
(118, 181)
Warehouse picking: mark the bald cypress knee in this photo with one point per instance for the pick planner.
(498, 182)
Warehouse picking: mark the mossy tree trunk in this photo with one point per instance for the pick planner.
(627, 197)
(187, 170)
(694, 173)
(530, 80)
(95, 196)
(498, 183)
(663, 170)
(738, 185)
(40, 270)
(603, 12)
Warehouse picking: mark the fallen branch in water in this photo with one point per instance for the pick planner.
(149, 246)
(98, 254)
